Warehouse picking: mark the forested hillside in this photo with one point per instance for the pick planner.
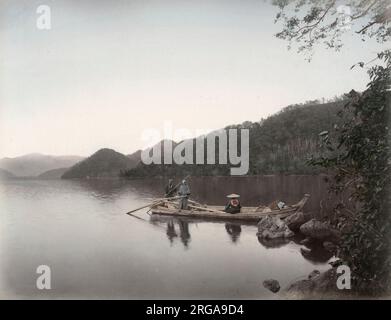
(103, 163)
(282, 143)
(4, 175)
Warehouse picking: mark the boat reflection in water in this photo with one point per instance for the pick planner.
(174, 228)
(178, 227)
(233, 231)
(80, 230)
(184, 232)
(171, 232)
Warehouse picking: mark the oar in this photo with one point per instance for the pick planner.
(146, 206)
(155, 225)
(136, 216)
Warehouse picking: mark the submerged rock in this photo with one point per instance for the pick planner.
(272, 285)
(303, 287)
(272, 228)
(295, 220)
(318, 285)
(316, 254)
(319, 230)
(273, 243)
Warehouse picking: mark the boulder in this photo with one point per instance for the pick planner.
(273, 243)
(329, 246)
(272, 227)
(316, 254)
(314, 274)
(319, 230)
(301, 287)
(272, 285)
(295, 220)
(318, 285)
(326, 282)
(306, 241)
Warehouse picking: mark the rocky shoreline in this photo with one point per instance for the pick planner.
(316, 233)
(317, 285)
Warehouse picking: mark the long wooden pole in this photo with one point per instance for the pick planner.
(196, 203)
(190, 201)
(206, 209)
(132, 215)
(153, 204)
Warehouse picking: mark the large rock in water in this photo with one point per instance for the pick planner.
(273, 228)
(295, 220)
(319, 230)
(272, 285)
(317, 285)
(301, 288)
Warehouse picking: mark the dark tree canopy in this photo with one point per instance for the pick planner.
(359, 152)
(311, 22)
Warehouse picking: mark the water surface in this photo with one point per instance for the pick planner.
(94, 250)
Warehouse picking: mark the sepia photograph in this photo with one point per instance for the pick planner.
(188, 150)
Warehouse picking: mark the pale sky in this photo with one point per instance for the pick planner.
(107, 70)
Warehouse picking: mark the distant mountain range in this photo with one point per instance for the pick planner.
(34, 164)
(282, 143)
(4, 174)
(104, 163)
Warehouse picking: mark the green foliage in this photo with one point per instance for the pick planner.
(358, 150)
(282, 143)
(311, 22)
(362, 163)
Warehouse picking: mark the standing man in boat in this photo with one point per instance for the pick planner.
(170, 188)
(233, 206)
(184, 192)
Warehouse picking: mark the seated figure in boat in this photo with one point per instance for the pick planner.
(233, 205)
(170, 189)
(184, 192)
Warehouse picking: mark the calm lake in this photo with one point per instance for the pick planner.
(94, 250)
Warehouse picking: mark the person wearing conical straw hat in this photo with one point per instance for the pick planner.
(233, 206)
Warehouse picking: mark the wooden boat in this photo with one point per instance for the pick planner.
(216, 212)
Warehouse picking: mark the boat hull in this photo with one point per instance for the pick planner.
(242, 216)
